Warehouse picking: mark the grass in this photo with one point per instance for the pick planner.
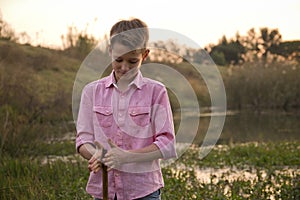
(30, 179)
(274, 166)
(249, 154)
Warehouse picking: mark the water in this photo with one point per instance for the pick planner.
(249, 126)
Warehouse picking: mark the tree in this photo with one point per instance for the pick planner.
(253, 46)
(166, 51)
(269, 38)
(219, 58)
(6, 31)
(78, 43)
(258, 45)
(289, 50)
(227, 52)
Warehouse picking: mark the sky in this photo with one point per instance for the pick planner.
(204, 22)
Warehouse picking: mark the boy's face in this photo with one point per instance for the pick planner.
(125, 62)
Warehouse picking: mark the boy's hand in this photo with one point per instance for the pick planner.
(96, 160)
(115, 157)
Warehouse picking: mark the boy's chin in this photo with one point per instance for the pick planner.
(128, 76)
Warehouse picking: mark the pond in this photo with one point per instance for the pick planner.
(247, 126)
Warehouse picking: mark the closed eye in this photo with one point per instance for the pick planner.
(133, 61)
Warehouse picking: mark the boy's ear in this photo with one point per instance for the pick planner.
(145, 54)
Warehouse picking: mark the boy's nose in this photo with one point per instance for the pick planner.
(124, 66)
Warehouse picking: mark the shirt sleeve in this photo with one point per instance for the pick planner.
(162, 119)
(84, 124)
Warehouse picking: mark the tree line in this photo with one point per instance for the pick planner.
(263, 45)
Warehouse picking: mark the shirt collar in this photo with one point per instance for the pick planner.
(137, 81)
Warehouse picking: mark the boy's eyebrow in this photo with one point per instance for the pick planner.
(129, 56)
(120, 57)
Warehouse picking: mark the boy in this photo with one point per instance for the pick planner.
(129, 116)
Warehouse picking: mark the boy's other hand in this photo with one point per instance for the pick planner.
(115, 157)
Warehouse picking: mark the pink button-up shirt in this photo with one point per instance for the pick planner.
(132, 119)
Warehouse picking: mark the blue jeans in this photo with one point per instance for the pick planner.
(153, 196)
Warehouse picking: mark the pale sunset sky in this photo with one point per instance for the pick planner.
(204, 22)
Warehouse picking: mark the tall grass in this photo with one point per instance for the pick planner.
(260, 86)
(30, 179)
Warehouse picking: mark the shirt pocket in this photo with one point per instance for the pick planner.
(104, 115)
(140, 115)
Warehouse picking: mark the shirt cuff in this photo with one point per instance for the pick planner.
(166, 147)
(83, 138)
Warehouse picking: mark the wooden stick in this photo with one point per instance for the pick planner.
(104, 179)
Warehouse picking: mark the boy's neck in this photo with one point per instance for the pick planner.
(123, 83)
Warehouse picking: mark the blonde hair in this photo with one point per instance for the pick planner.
(133, 33)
